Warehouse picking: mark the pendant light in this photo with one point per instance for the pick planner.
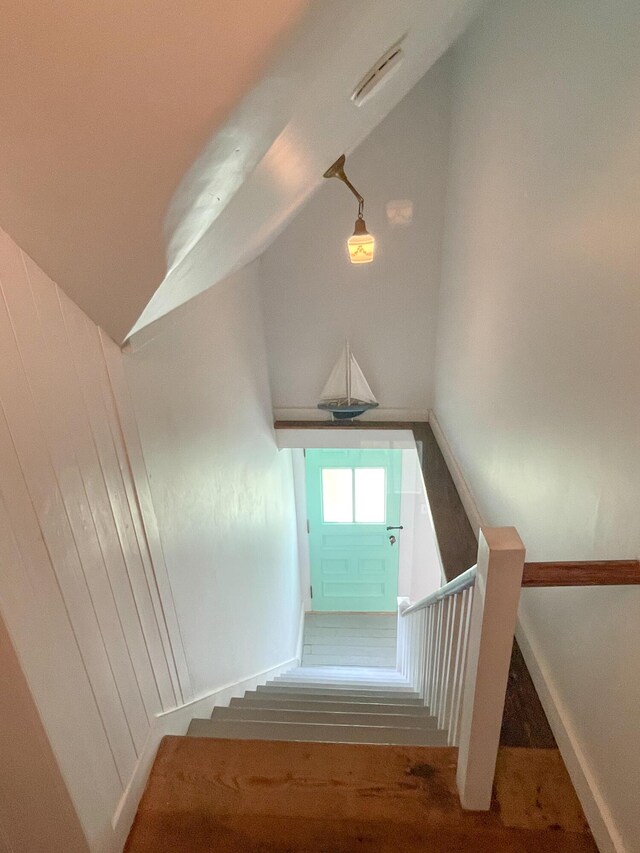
(361, 244)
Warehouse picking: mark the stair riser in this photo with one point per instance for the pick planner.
(334, 718)
(263, 701)
(382, 662)
(352, 640)
(355, 649)
(309, 690)
(349, 685)
(280, 696)
(326, 734)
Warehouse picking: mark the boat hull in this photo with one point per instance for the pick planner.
(346, 411)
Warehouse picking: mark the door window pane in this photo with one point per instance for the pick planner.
(337, 494)
(370, 495)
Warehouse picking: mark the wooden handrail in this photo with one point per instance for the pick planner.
(571, 573)
(459, 584)
(590, 573)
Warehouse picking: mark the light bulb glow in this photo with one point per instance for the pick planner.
(361, 245)
(361, 248)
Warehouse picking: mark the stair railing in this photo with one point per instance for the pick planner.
(455, 646)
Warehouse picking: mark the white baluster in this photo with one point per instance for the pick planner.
(435, 627)
(446, 645)
(444, 717)
(401, 632)
(454, 728)
(442, 630)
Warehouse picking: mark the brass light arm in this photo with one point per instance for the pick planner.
(337, 171)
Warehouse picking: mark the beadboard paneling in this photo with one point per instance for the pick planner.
(77, 589)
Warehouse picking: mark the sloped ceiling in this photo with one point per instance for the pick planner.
(147, 150)
(104, 105)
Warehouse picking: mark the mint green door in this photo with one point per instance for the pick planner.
(353, 496)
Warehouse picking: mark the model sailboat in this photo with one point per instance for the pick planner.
(347, 394)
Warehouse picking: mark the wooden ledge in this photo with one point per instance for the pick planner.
(594, 573)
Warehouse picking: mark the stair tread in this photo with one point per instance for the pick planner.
(315, 732)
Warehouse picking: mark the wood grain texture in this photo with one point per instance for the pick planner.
(593, 573)
(222, 795)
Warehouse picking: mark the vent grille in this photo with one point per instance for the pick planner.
(377, 75)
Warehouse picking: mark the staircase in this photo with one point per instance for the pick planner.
(350, 757)
(328, 704)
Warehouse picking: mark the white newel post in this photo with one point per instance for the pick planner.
(493, 620)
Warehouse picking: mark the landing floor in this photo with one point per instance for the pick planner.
(350, 639)
(218, 796)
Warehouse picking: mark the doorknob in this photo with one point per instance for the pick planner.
(400, 527)
(392, 539)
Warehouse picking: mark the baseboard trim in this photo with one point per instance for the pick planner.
(300, 643)
(464, 490)
(595, 808)
(176, 722)
(379, 414)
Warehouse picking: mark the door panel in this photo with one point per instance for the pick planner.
(352, 496)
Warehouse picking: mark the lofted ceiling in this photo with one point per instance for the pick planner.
(104, 105)
(147, 150)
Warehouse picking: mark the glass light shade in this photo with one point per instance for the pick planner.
(361, 245)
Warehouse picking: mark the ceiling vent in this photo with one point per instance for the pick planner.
(376, 75)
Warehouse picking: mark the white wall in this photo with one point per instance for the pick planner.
(538, 380)
(420, 569)
(222, 490)
(313, 297)
(78, 593)
(34, 802)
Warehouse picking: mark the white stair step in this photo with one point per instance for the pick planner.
(264, 700)
(313, 696)
(249, 730)
(372, 684)
(348, 718)
(338, 692)
(351, 620)
(356, 639)
(311, 659)
(347, 672)
(355, 649)
(380, 689)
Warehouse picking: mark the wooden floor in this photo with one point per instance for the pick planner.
(350, 639)
(209, 795)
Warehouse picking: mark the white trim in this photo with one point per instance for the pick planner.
(176, 722)
(379, 414)
(595, 808)
(300, 643)
(464, 490)
(351, 437)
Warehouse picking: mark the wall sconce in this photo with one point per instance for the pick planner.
(361, 245)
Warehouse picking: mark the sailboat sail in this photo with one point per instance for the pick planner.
(347, 392)
(359, 386)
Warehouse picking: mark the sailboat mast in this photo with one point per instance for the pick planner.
(348, 367)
